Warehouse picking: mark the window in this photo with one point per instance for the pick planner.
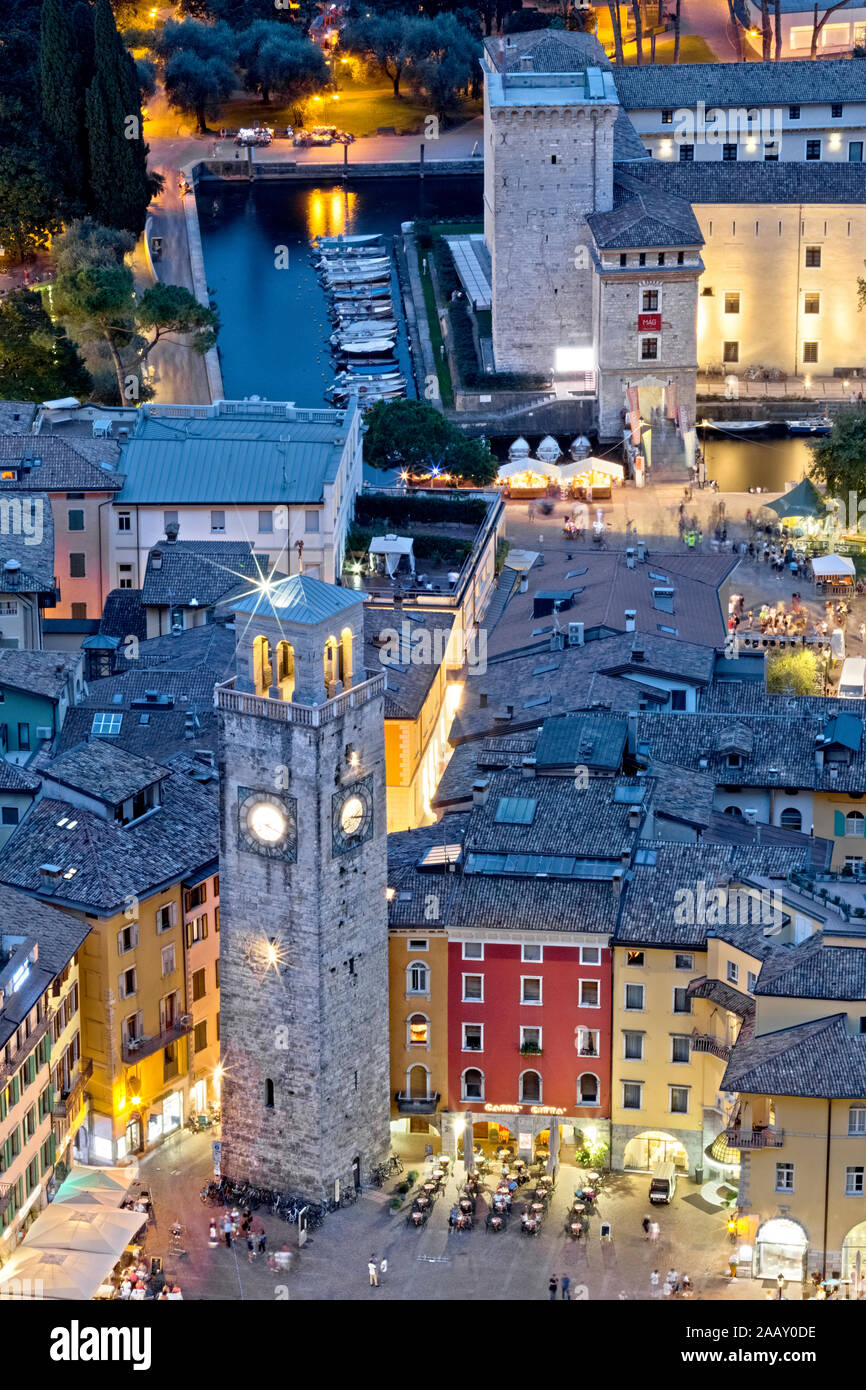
(751, 981)
(632, 1049)
(530, 989)
(813, 257)
(661, 258)
(23, 736)
(199, 986)
(813, 149)
(857, 1119)
(791, 818)
(854, 823)
(854, 1180)
(731, 352)
(418, 1031)
(167, 960)
(311, 522)
(687, 154)
(678, 699)
(733, 972)
(784, 1177)
(266, 522)
(127, 939)
(269, 1094)
(588, 1090)
(473, 988)
(9, 815)
(106, 725)
(418, 944)
(200, 1036)
(196, 930)
(649, 301)
(681, 1048)
(530, 1038)
(684, 961)
(855, 151)
(623, 259)
(641, 260)
(634, 957)
(531, 953)
(771, 152)
(649, 349)
(77, 566)
(794, 113)
(679, 1100)
(473, 1037)
(729, 153)
(473, 950)
(590, 955)
(681, 258)
(79, 612)
(124, 576)
(667, 117)
(75, 519)
(812, 304)
(682, 1002)
(166, 916)
(632, 1095)
(473, 1084)
(590, 994)
(417, 978)
(810, 352)
(217, 521)
(732, 303)
(530, 1088)
(126, 983)
(124, 521)
(634, 996)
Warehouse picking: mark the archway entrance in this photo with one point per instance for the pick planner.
(854, 1257)
(419, 1083)
(644, 1151)
(780, 1248)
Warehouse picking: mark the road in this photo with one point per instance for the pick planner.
(711, 20)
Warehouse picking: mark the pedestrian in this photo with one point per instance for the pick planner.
(687, 1286)
(565, 1287)
(654, 1232)
(373, 1272)
(251, 1247)
(383, 1266)
(732, 1266)
(227, 1230)
(552, 1285)
(646, 1223)
(263, 1242)
(531, 511)
(862, 631)
(654, 1282)
(213, 1238)
(673, 1279)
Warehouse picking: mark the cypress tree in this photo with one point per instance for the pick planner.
(61, 99)
(118, 154)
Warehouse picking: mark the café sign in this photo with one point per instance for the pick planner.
(649, 323)
(524, 1110)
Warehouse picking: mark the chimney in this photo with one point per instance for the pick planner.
(480, 791)
(630, 619)
(171, 531)
(637, 651)
(633, 818)
(616, 882)
(509, 711)
(156, 559)
(524, 583)
(625, 857)
(819, 752)
(528, 766)
(629, 558)
(49, 875)
(750, 815)
(641, 552)
(482, 699)
(703, 764)
(526, 64)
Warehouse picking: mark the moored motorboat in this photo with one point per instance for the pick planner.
(367, 347)
(343, 243)
(815, 424)
(737, 426)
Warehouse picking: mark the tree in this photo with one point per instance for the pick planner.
(146, 73)
(638, 29)
(766, 31)
(777, 26)
(60, 94)
(38, 362)
(382, 39)
(818, 24)
(276, 58)
(839, 460)
(616, 25)
(521, 21)
(199, 66)
(794, 673)
(412, 435)
(164, 309)
(443, 58)
(677, 24)
(119, 185)
(861, 292)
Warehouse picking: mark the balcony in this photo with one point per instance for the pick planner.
(748, 1139)
(137, 1048)
(7, 1192)
(706, 1042)
(67, 1103)
(292, 712)
(417, 1105)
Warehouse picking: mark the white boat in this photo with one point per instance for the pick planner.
(386, 379)
(345, 294)
(518, 450)
(348, 242)
(548, 450)
(354, 263)
(580, 448)
(347, 340)
(737, 426)
(809, 425)
(358, 328)
(368, 347)
(357, 277)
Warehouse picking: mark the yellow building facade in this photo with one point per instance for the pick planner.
(418, 1012)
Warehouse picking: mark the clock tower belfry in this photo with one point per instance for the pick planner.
(303, 872)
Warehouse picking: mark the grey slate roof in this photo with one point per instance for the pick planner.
(56, 465)
(203, 570)
(408, 682)
(644, 216)
(551, 50)
(755, 181)
(59, 936)
(627, 144)
(817, 971)
(567, 820)
(471, 760)
(593, 741)
(820, 1058)
(123, 615)
(300, 599)
(101, 769)
(110, 860)
(16, 416)
(211, 645)
(40, 673)
(798, 82)
(158, 730)
(736, 830)
(36, 560)
(17, 779)
(721, 993)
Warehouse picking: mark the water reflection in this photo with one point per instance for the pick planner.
(761, 461)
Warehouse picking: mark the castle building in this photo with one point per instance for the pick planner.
(303, 940)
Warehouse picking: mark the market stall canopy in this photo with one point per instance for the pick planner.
(393, 548)
(56, 1274)
(802, 500)
(828, 566)
(91, 1230)
(591, 465)
(64, 403)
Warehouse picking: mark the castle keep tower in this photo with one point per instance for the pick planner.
(548, 163)
(303, 941)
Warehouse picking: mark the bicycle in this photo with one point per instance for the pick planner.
(395, 1164)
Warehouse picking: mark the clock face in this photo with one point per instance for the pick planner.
(267, 824)
(352, 815)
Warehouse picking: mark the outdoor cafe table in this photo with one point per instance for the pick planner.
(579, 1208)
(537, 1206)
(417, 1217)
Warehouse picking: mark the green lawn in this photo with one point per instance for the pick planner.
(358, 107)
(442, 372)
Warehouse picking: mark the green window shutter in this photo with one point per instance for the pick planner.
(50, 1099)
(838, 823)
(52, 1150)
(16, 1090)
(3, 1106)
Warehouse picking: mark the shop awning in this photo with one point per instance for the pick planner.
(829, 566)
(393, 548)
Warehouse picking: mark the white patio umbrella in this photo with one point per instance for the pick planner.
(95, 1198)
(56, 1274)
(117, 1180)
(93, 1230)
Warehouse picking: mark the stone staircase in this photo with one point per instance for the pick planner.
(668, 454)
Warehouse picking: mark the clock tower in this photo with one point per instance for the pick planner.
(303, 873)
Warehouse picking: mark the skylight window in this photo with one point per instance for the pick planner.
(70, 873)
(515, 810)
(106, 725)
(70, 825)
(537, 700)
(542, 670)
(63, 820)
(117, 697)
